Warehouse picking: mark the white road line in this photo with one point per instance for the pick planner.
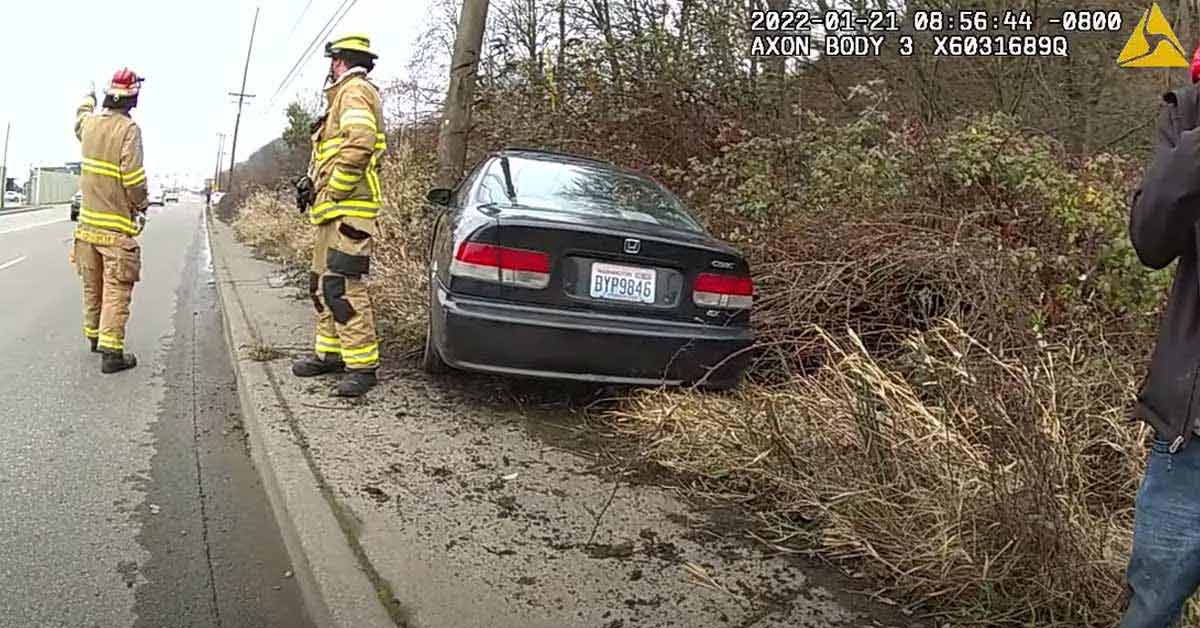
(12, 263)
(35, 225)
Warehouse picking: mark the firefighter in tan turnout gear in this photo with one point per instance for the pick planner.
(111, 214)
(341, 196)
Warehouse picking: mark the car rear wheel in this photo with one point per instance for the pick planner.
(431, 360)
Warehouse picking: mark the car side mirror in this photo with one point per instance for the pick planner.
(439, 196)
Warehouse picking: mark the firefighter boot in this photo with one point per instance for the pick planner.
(93, 342)
(116, 361)
(313, 365)
(357, 383)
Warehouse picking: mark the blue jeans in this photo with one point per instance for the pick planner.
(1164, 569)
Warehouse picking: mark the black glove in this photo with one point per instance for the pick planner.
(304, 193)
(317, 124)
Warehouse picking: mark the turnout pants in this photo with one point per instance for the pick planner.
(108, 265)
(345, 319)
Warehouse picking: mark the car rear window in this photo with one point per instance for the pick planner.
(582, 189)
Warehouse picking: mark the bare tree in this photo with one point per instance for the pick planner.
(520, 24)
(562, 37)
(599, 14)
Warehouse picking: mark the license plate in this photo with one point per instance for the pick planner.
(623, 283)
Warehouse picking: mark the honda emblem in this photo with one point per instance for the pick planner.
(632, 246)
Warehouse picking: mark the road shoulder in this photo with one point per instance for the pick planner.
(336, 589)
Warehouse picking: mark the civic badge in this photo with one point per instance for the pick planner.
(632, 246)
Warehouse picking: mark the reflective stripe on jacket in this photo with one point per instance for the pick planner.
(347, 150)
(114, 179)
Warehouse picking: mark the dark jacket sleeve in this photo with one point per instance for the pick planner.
(1166, 205)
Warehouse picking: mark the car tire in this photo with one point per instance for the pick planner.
(431, 360)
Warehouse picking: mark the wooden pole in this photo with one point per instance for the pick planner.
(241, 96)
(456, 121)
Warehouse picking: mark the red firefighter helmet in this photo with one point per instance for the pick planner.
(125, 83)
(1195, 69)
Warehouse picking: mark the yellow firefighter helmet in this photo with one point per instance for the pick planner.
(350, 43)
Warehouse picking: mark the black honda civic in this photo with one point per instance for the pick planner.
(551, 265)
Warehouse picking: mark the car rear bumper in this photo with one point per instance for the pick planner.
(484, 335)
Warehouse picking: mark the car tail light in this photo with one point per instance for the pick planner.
(724, 291)
(500, 264)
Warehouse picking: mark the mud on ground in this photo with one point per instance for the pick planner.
(508, 482)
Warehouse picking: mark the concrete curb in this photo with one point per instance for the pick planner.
(336, 590)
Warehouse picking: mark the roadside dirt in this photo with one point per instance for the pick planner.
(484, 501)
(560, 513)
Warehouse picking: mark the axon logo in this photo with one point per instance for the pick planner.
(633, 246)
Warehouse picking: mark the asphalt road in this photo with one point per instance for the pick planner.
(127, 499)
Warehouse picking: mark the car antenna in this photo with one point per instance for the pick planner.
(508, 183)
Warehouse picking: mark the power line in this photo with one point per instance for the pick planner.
(298, 20)
(313, 47)
(334, 20)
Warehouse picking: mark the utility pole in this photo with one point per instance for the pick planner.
(216, 186)
(452, 140)
(4, 166)
(241, 96)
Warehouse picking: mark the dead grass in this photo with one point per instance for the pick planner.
(399, 283)
(953, 479)
(264, 353)
(271, 223)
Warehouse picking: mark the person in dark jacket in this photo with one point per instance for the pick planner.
(1164, 567)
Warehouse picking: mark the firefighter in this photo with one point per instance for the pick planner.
(111, 215)
(341, 196)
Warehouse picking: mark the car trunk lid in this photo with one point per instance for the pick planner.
(613, 264)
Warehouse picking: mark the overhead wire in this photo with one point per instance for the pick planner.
(298, 20)
(312, 47)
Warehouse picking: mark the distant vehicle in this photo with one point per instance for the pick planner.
(171, 196)
(155, 197)
(13, 197)
(76, 201)
(555, 266)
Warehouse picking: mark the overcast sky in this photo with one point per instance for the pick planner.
(192, 53)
